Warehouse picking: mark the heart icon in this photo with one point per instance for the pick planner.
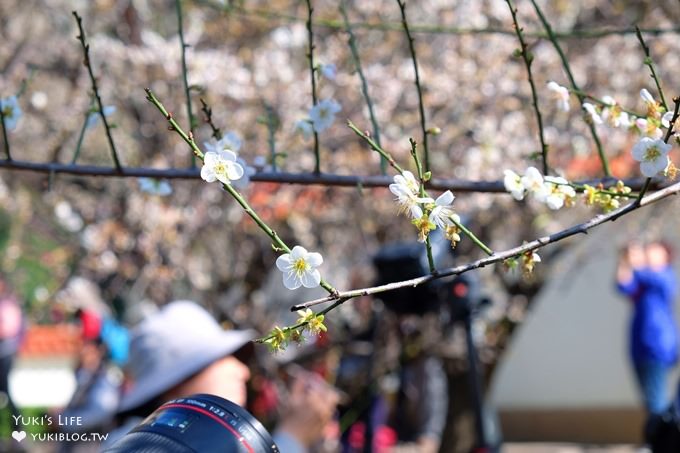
(19, 435)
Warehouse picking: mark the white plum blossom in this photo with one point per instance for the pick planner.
(666, 119)
(329, 71)
(648, 128)
(532, 180)
(560, 94)
(323, 114)
(305, 128)
(406, 189)
(592, 113)
(11, 111)
(613, 115)
(407, 179)
(555, 191)
(652, 155)
(442, 212)
(93, 117)
(647, 97)
(229, 141)
(513, 184)
(221, 166)
(299, 268)
(155, 186)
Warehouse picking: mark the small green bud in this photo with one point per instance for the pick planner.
(434, 130)
(427, 176)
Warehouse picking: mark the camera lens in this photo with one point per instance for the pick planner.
(199, 423)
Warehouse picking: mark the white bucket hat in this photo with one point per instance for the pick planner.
(172, 345)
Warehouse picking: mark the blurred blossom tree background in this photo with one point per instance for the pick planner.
(247, 60)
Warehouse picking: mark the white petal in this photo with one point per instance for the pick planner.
(666, 119)
(554, 202)
(291, 281)
(311, 279)
(284, 262)
(210, 158)
(416, 212)
(314, 259)
(652, 168)
(234, 171)
(646, 96)
(298, 252)
(207, 174)
(518, 194)
(445, 199)
(228, 155)
(640, 148)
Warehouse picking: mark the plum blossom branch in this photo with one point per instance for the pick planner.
(650, 63)
(377, 148)
(352, 42)
(574, 85)
(207, 111)
(528, 58)
(536, 244)
(669, 134)
(312, 73)
(95, 91)
(188, 138)
(185, 81)
(422, 179)
(414, 58)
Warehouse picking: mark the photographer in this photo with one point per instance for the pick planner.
(182, 350)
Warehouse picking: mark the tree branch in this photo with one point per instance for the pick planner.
(581, 228)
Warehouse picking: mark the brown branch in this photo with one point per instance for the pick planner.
(95, 90)
(324, 179)
(581, 228)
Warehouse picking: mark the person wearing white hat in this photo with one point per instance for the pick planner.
(181, 350)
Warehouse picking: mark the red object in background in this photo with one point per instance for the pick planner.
(384, 438)
(91, 324)
(266, 398)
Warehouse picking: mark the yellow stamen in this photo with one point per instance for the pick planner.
(300, 266)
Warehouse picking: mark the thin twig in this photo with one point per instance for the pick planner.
(95, 91)
(207, 111)
(602, 102)
(336, 24)
(421, 107)
(528, 58)
(4, 135)
(81, 137)
(574, 85)
(581, 228)
(185, 81)
(396, 166)
(421, 178)
(669, 134)
(272, 123)
(188, 138)
(650, 63)
(312, 73)
(352, 42)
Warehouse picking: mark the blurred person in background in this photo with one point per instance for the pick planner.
(646, 276)
(182, 350)
(11, 333)
(97, 395)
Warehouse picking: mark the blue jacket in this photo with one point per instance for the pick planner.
(654, 335)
